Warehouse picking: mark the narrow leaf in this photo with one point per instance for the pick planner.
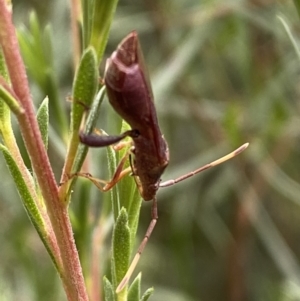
(147, 294)
(109, 294)
(10, 100)
(43, 120)
(103, 14)
(129, 196)
(134, 213)
(87, 18)
(89, 126)
(135, 289)
(114, 193)
(84, 87)
(121, 246)
(29, 203)
(127, 186)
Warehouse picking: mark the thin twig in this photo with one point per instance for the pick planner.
(72, 277)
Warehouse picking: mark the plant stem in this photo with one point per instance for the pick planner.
(72, 275)
(75, 15)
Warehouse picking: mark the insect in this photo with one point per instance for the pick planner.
(130, 94)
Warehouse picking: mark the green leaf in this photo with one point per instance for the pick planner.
(114, 192)
(31, 45)
(89, 126)
(28, 201)
(109, 294)
(10, 100)
(147, 294)
(127, 186)
(134, 213)
(84, 87)
(102, 17)
(128, 193)
(87, 18)
(43, 120)
(121, 246)
(47, 44)
(134, 291)
(5, 125)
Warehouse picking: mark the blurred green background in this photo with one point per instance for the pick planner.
(223, 73)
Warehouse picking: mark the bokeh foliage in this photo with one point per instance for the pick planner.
(223, 73)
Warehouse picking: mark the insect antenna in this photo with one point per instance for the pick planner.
(206, 166)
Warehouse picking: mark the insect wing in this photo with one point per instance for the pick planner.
(128, 85)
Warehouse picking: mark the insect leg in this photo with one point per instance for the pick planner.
(154, 216)
(105, 185)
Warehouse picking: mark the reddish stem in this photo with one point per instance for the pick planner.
(72, 275)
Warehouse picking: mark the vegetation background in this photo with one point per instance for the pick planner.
(223, 73)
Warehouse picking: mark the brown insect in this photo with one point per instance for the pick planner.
(130, 94)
